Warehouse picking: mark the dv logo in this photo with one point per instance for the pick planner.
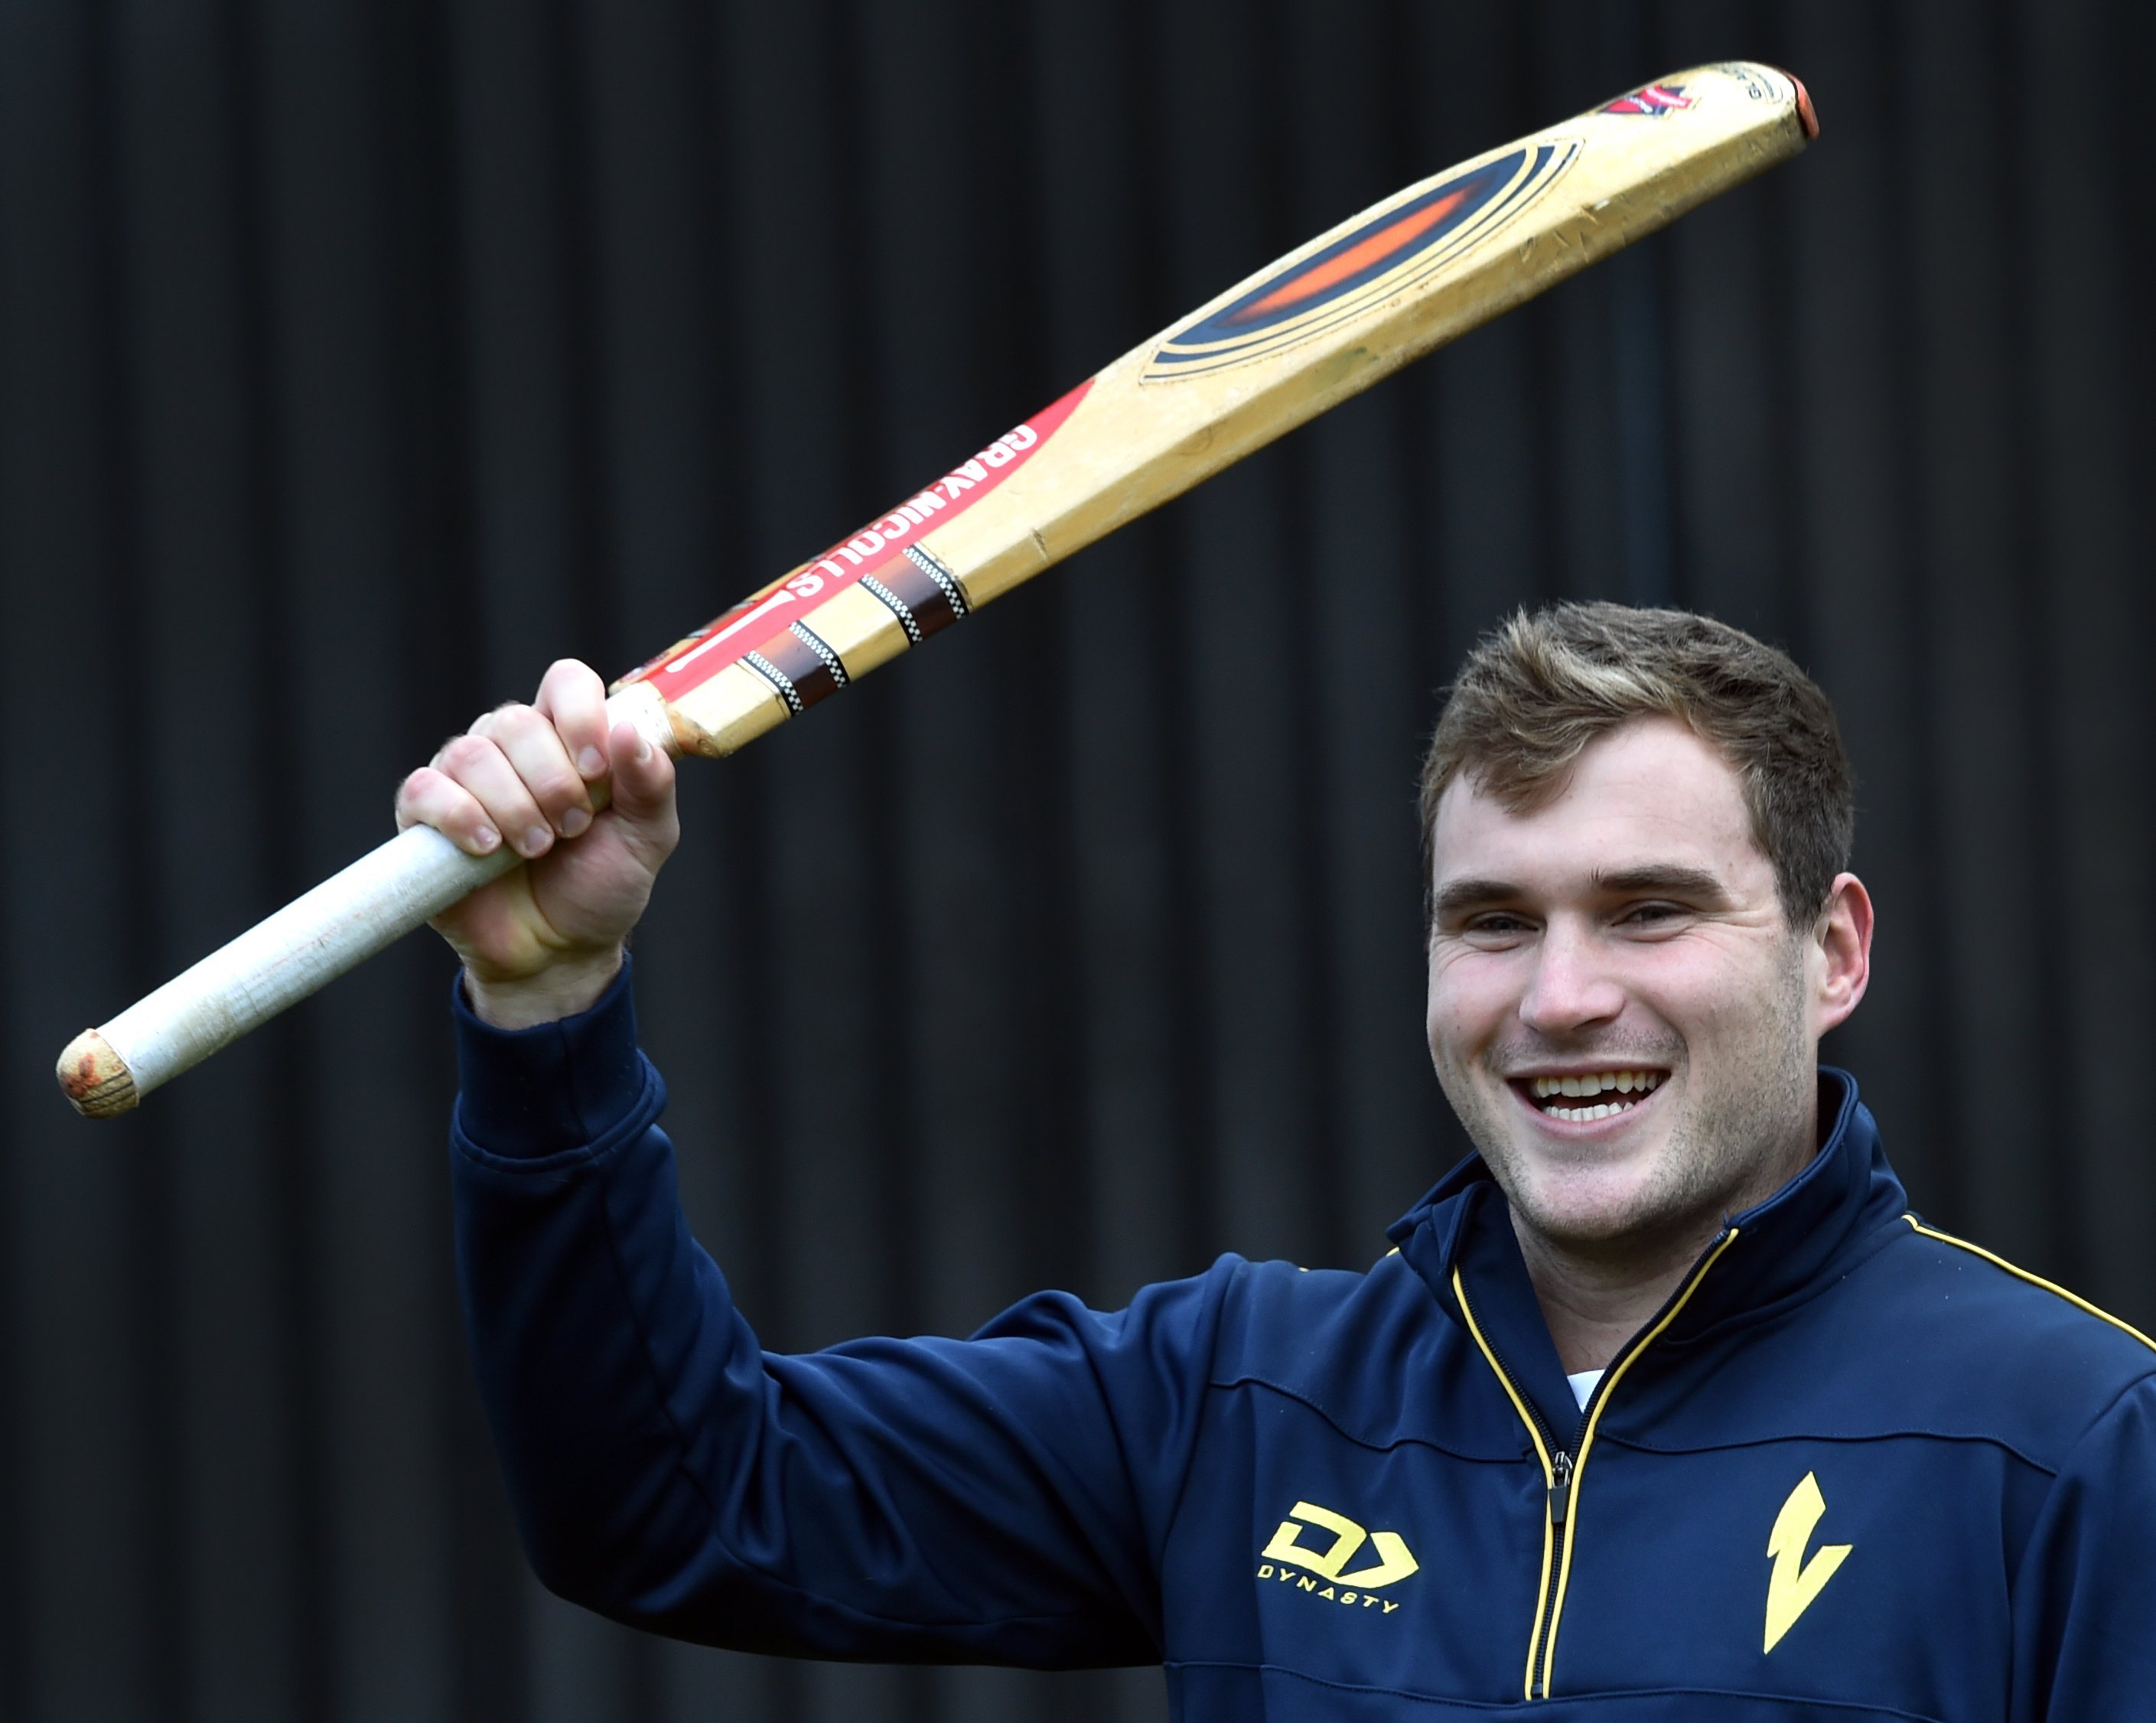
(1393, 1560)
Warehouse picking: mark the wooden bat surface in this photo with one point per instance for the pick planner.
(1320, 325)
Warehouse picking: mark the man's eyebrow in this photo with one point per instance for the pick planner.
(1461, 895)
(1663, 879)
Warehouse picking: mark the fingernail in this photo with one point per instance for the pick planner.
(535, 840)
(484, 838)
(574, 821)
(591, 762)
(643, 748)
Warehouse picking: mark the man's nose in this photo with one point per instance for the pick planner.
(1571, 986)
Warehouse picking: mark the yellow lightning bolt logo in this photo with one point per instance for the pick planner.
(1795, 1583)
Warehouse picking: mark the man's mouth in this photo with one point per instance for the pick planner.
(1582, 1097)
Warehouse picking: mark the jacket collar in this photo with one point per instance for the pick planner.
(1787, 1248)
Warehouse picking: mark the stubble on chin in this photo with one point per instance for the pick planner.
(1725, 1147)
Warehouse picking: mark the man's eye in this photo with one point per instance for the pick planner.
(1496, 924)
(1647, 914)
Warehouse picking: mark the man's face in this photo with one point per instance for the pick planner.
(1618, 1011)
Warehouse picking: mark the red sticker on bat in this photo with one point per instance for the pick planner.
(1652, 100)
(728, 639)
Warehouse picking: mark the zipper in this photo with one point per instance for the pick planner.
(1557, 1466)
(1595, 1403)
(1561, 1468)
(1557, 1474)
(1560, 1496)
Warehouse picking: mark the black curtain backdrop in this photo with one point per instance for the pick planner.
(358, 357)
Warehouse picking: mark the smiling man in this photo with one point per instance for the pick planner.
(1635, 825)
(1665, 1405)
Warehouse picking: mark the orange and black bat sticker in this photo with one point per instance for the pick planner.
(1393, 249)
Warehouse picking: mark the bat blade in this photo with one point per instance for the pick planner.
(1303, 334)
(1300, 335)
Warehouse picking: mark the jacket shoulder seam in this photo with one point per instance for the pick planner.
(2036, 1280)
(1899, 1433)
(1232, 1282)
(1250, 1379)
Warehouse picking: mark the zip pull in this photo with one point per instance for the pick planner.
(1560, 1496)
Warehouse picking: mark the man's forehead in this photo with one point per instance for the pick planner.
(1650, 794)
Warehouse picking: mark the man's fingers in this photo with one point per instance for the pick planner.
(573, 696)
(477, 763)
(522, 775)
(433, 798)
(541, 757)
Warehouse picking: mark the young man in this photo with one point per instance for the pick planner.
(1664, 1405)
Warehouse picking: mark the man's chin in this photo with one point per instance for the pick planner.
(1590, 1224)
(1588, 1207)
(1588, 1186)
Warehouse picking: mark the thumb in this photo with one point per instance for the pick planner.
(642, 777)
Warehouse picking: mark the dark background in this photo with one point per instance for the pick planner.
(357, 356)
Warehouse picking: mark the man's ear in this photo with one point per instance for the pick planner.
(1840, 957)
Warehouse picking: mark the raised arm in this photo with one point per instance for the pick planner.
(1004, 1498)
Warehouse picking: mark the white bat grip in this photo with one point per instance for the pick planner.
(306, 944)
(309, 942)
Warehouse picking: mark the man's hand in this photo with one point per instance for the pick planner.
(543, 942)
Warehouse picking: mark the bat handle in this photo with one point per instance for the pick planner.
(309, 942)
(306, 944)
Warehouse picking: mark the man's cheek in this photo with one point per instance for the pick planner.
(1452, 1040)
(1466, 999)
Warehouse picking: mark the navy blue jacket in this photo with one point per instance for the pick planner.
(1854, 1469)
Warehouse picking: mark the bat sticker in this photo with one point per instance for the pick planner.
(1653, 99)
(888, 548)
(1392, 249)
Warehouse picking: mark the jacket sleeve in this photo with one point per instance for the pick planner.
(2084, 1651)
(1004, 1498)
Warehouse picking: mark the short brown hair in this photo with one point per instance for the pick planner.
(1542, 685)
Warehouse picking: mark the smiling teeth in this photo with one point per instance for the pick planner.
(1595, 1083)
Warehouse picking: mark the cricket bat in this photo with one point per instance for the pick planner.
(1321, 323)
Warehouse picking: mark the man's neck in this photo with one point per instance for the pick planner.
(1593, 1304)
(1594, 1300)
